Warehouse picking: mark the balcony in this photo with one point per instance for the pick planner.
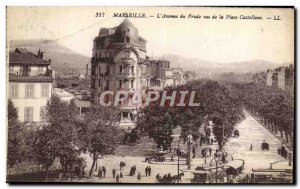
(127, 60)
(126, 74)
(126, 89)
(27, 77)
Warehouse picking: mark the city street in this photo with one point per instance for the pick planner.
(251, 132)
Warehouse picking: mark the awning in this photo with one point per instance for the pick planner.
(235, 164)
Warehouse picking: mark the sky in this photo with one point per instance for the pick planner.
(220, 40)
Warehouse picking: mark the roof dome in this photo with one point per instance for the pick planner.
(126, 27)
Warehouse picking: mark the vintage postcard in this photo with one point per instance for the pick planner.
(151, 95)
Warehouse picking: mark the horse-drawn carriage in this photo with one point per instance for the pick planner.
(264, 146)
(234, 167)
(169, 179)
(236, 133)
(200, 176)
(156, 156)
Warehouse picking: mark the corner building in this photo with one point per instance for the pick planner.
(119, 63)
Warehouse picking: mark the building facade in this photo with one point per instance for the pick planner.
(30, 84)
(120, 63)
(282, 77)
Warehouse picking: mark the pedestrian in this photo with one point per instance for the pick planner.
(104, 171)
(131, 171)
(118, 178)
(134, 169)
(121, 174)
(149, 171)
(251, 148)
(114, 172)
(146, 171)
(172, 157)
(100, 173)
(139, 176)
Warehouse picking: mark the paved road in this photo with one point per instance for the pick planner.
(252, 132)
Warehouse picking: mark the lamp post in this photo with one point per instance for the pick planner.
(177, 153)
(217, 158)
(178, 159)
(189, 151)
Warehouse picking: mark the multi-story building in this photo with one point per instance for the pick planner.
(119, 63)
(175, 76)
(30, 83)
(282, 77)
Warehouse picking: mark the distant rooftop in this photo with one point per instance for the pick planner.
(23, 56)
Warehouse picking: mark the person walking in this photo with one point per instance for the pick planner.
(251, 148)
(134, 169)
(121, 174)
(114, 172)
(100, 172)
(117, 178)
(149, 171)
(146, 171)
(104, 171)
(139, 176)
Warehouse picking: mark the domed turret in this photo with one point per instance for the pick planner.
(127, 28)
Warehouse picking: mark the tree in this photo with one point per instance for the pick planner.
(57, 136)
(14, 135)
(272, 106)
(99, 132)
(216, 102)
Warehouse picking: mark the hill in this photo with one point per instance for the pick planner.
(63, 59)
(204, 66)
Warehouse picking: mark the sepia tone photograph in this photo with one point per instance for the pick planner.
(150, 95)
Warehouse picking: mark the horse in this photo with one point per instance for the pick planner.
(177, 177)
(122, 165)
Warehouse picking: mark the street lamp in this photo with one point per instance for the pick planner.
(217, 158)
(177, 155)
(189, 151)
(178, 159)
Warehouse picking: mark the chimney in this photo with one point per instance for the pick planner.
(87, 70)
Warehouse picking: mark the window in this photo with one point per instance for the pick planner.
(107, 85)
(28, 114)
(107, 70)
(29, 90)
(45, 90)
(125, 115)
(102, 54)
(40, 69)
(120, 83)
(131, 82)
(11, 69)
(132, 69)
(127, 54)
(127, 40)
(14, 90)
(42, 112)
